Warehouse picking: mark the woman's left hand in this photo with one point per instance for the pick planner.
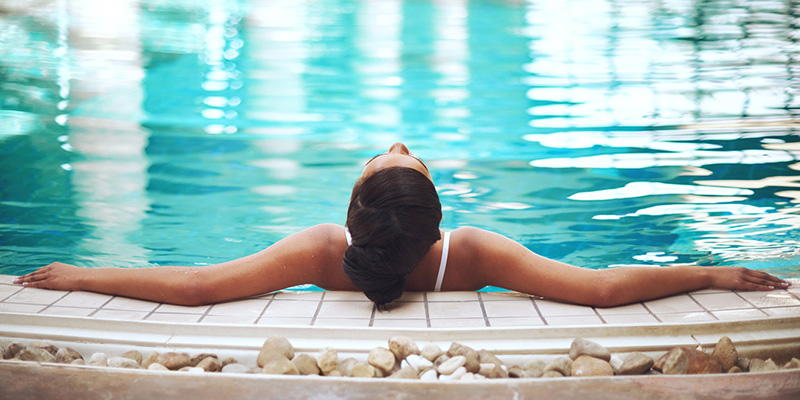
(739, 278)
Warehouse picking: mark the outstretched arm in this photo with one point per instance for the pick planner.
(499, 261)
(305, 257)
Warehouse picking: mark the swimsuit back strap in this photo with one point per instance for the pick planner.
(443, 262)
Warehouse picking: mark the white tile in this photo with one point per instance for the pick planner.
(403, 310)
(399, 323)
(510, 309)
(8, 290)
(279, 308)
(175, 309)
(121, 315)
(722, 301)
(252, 307)
(452, 296)
(680, 303)
(228, 319)
(83, 299)
(458, 323)
(636, 308)
(783, 311)
(7, 279)
(740, 315)
(345, 309)
(345, 322)
(172, 317)
(629, 319)
(682, 317)
(284, 321)
(298, 295)
(461, 309)
(516, 321)
(125, 303)
(21, 308)
(552, 308)
(68, 311)
(345, 296)
(574, 320)
(36, 296)
(777, 298)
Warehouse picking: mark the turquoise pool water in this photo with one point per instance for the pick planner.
(598, 133)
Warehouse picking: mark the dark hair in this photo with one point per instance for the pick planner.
(393, 219)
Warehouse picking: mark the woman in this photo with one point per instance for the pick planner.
(392, 243)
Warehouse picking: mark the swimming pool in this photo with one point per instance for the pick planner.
(598, 133)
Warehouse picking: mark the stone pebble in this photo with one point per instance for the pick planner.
(381, 358)
(123, 362)
(275, 347)
(402, 347)
(585, 365)
(327, 360)
(460, 362)
(636, 364)
(306, 364)
(584, 347)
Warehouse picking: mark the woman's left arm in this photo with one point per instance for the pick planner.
(499, 261)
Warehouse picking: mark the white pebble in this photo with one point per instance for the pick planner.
(456, 375)
(616, 363)
(449, 366)
(98, 359)
(469, 376)
(195, 370)
(486, 369)
(429, 376)
(424, 363)
(413, 360)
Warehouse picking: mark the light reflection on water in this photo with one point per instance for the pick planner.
(595, 132)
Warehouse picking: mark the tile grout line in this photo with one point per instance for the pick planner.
(264, 310)
(483, 309)
(206, 313)
(96, 310)
(54, 302)
(538, 311)
(651, 312)
(319, 307)
(372, 316)
(21, 288)
(702, 306)
(748, 302)
(603, 320)
(427, 313)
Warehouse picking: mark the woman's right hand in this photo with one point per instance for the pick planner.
(58, 276)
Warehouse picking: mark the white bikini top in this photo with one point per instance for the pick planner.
(442, 262)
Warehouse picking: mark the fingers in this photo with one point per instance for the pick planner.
(33, 277)
(762, 281)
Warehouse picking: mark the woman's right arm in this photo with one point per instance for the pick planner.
(310, 256)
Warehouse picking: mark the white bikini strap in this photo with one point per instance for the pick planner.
(443, 262)
(347, 235)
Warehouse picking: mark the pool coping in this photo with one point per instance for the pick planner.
(753, 334)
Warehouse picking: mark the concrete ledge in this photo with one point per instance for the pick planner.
(33, 381)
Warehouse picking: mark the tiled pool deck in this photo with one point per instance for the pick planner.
(413, 311)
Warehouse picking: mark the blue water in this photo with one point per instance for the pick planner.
(598, 133)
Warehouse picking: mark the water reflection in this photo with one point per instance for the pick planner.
(596, 132)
